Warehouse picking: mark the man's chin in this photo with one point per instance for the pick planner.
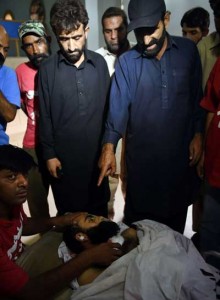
(114, 49)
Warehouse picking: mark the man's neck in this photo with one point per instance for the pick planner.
(125, 48)
(78, 63)
(163, 49)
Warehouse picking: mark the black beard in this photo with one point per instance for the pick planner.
(159, 44)
(2, 60)
(103, 232)
(74, 57)
(37, 59)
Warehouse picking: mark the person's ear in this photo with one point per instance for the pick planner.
(87, 31)
(167, 18)
(82, 237)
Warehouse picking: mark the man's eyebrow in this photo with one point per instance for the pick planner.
(36, 41)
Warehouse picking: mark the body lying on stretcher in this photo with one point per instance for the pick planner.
(158, 264)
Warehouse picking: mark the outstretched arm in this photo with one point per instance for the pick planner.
(47, 284)
(107, 162)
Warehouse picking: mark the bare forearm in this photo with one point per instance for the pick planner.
(48, 284)
(7, 110)
(40, 225)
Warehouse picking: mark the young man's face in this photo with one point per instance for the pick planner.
(193, 33)
(86, 221)
(73, 44)
(13, 187)
(97, 228)
(115, 33)
(36, 49)
(151, 39)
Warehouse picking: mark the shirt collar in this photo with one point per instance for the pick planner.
(88, 58)
(106, 52)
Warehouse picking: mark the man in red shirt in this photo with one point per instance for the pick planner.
(210, 225)
(36, 45)
(37, 272)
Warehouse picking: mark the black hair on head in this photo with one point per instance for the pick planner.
(67, 15)
(102, 232)
(69, 238)
(15, 159)
(115, 11)
(196, 17)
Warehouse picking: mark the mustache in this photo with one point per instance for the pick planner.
(37, 56)
(152, 42)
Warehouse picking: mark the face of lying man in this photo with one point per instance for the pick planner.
(96, 229)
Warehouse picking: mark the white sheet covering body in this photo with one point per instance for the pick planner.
(165, 266)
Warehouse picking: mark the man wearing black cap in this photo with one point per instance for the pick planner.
(154, 100)
(36, 45)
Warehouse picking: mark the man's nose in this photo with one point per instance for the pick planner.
(22, 180)
(147, 39)
(71, 45)
(114, 34)
(2, 51)
(35, 48)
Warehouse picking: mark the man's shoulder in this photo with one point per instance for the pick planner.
(183, 42)
(101, 51)
(23, 67)
(210, 40)
(50, 61)
(97, 58)
(5, 70)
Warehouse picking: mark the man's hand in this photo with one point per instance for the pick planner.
(52, 165)
(64, 220)
(195, 149)
(107, 162)
(105, 253)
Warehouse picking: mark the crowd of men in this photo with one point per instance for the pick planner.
(158, 98)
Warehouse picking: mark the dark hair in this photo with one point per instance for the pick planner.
(115, 11)
(215, 6)
(69, 238)
(8, 12)
(40, 9)
(15, 159)
(97, 234)
(68, 15)
(196, 17)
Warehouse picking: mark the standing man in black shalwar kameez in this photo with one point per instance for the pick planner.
(73, 88)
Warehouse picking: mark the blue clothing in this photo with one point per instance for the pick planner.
(156, 104)
(9, 88)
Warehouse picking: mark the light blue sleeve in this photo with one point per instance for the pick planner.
(9, 86)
